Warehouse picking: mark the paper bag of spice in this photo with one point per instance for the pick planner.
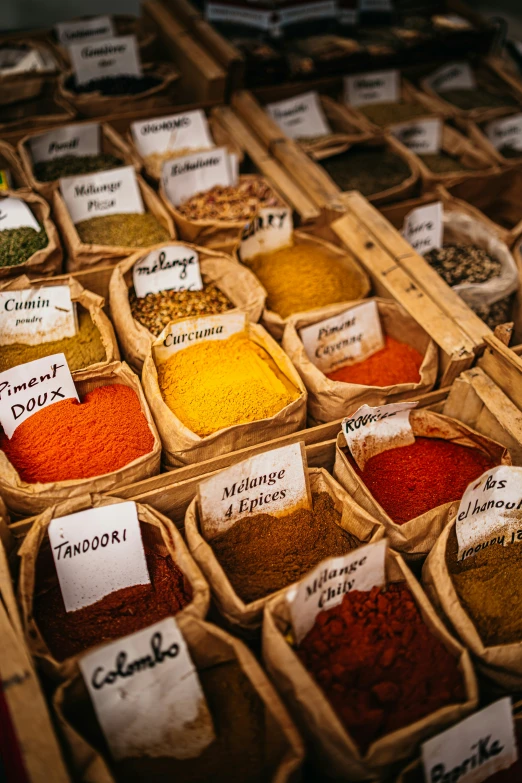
(334, 750)
(18, 85)
(45, 256)
(10, 162)
(47, 108)
(412, 105)
(7, 551)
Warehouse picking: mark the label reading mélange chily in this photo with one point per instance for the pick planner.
(116, 56)
(69, 140)
(325, 586)
(456, 76)
(170, 268)
(27, 388)
(147, 695)
(369, 431)
(374, 87)
(37, 315)
(96, 552)
(190, 331)
(300, 116)
(506, 132)
(94, 29)
(474, 749)
(14, 213)
(271, 229)
(274, 482)
(105, 193)
(349, 337)
(184, 177)
(423, 227)
(176, 132)
(423, 137)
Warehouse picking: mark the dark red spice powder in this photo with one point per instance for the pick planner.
(395, 363)
(410, 480)
(379, 664)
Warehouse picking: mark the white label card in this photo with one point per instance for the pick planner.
(474, 749)
(22, 61)
(94, 29)
(147, 695)
(275, 482)
(29, 387)
(300, 116)
(240, 13)
(506, 132)
(96, 552)
(182, 334)
(176, 132)
(70, 140)
(369, 431)
(457, 76)
(36, 315)
(374, 87)
(325, 586)
(424, 227)
(170, 268)
(14, 213)
(343, 339)
(420, 136)
(116, 56)
(105, 193)
(307, 11)
(271, 229)
(197, 173)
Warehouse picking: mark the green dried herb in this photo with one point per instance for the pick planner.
(442, 163)
(387, 113)
(70, 165)
(477, 98)
(369, 170)
(17, 245)
(126, 230)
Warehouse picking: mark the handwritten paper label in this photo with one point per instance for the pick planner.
(70, 140)
(506, 132)
(474, 749)
(27, 388)
(422, 136)
(191, 174)
(96, 552)
(147, 695)
(348, 337)
(170, 268)
(176, 132)
(94, 29)
(116, 56)
(375, 87)
(36, 315)
(14, 213)
(14, 61)
(300, 116)
(241, 13)
(369, 431)
(182, 334)
(294, 12)
(325, 586)
(424, 227)
(105, 193)
(271, 229)
(456, 76)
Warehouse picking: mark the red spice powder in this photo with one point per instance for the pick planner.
(379, 664)
(71, 440)
(395, 363)
(410, 480)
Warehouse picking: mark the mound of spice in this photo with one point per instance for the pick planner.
(409, 480)
(17, 245)
(263, 554)
(71, 440)
(117, 614)
(442, 163)
(127, 230)
(387, 113)
(395, 363)
(378, 663)
(70, 165)
(461, 263)
(231, 202)
(368, 169)
(220, 383)
(124, 84)
(154, 162)
(477, 98)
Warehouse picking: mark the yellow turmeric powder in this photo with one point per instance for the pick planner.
(219, 383)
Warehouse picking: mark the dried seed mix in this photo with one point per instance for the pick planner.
(125, 230)
(234, 202)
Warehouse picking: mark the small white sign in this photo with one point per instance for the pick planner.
(70, 140)
(343, 339)
(36, 315)
(14, 213)
(177, 132)
(28, 388)
(96, 552)
(182, 334)
(271, 229)
(423, 227)
(240, 13)
(191, 174)
(105, 193)
(147, 695)
(369, 431)
(328, 583)
(306, 11)
(374, 87)
(116, 56)
(94, 29)
(456, 76)
(474, 749)
(300, 116)
(506, 132)
(423, 137)
(170, 268)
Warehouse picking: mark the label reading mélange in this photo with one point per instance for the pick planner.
(147, 695)
(325, 586)
(36, 315)
(423, 227)
(506, 132)
(369, 431)
(456, 76)
(474, 749)
(29, 387)
(70, 140)
(170, 268)
(116, 56)
(271, 229)
(274, 482)
(421, 136)
(300, 116)
(176, 132)
(375, 87)
(196, 173)
(94, 29)
(105, 193)
(14, 213)
(348, 337)
(182, 334)
(96, 552)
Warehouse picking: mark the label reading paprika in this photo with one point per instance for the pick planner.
(506, 132)
(37, 315)
(28, 388)
(423, 227)
(171, 268)
(111, 192)
(182, 334)
(176, 132)
(116, 56)
(94, 29)
(369, 431)
(14, 213)
(328, 583)
(70, 140)
(374, 87)
(300, 116)
(147, 695)
(271, 229)
(348, 337)
(274, 482)
(96, 552)
(421, 136)
(456, 76)
(474, 749)
(185, 176)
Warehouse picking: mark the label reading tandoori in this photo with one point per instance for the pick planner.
(105, 193)
(369, 431)
(116, 56)
(70, 140)
(456, 76)
(14, 213)
(375, 87)
(421, 136)
(199, 172)
(182, 334)
(36, 315)
(271, 229)
(506, 132)
(94, 29)
(423, 227)
(175, 132)
(300, 116)
(171, 268)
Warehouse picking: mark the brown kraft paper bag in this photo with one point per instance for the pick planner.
(48, 260)
(9, 160)
(346, 125)
(26, 85)
(408, 94)
(46, 109)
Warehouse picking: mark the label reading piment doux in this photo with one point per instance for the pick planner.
(474, 749)
(348, 337)
(196, 173)
(271, 229)
(70, 140)
(116, 56)
(178, 336)
(170, 268)
(147, 695)
(94, 29)
(300, 116)
(421, 136)
(369, 431)
(104, 193)
(14, 213)
(375, 87)
(325, 586)
(36, 315)
(27, 388)
(456, 76)
(275, 482)
(423, 227)
(506, 132)
(96, 552)
(176, 132)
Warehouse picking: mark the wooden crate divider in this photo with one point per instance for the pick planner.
(504, 367)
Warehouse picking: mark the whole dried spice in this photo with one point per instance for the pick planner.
(498, 313)
(127, 230)
(379, 664)
(395, 363)
(442, 163)
(115, 85)
(263, 553)
(462, 263)
(17, 245)
(231, 202)
(477, 98)
(388, 113)
(369, 170)
(69, 165)
(154, 162)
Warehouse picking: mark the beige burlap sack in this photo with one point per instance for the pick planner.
(10, 162)
(244, 617)
(38, 571)
(330, 400)
(415, 538)
(27, 499)
(48, 260)
(26, 85)
(334, 750)
(183, 447)
(239, 284)
(47, 109)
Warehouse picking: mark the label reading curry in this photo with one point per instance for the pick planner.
(506, 132)
(182, 334)
(456, 76)
(14, 213)
(105, 193)
(147, 695)
(423, 227)
(300, 117)
(116, 56)
(374, 87)
(169, 268)
(190, 174)
(421, 136)
(369, 431)
(274, 482)
(70, 140)
(94, 29)
(271, 229)
(175, 132)
(37, 315)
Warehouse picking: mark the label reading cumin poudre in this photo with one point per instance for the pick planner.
(116, 56)
(182, 334)
(300, 117)
(369, 431)
(171, 268)
(37, 315)
(111, 192)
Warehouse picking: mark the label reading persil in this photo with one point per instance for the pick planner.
(176, 132)
(116, 56)
(506, 132)
(14, 213)
(36, 315)
(191, 174)
(271, 229)
(424, 227)
(374, 87)
(457, 76)
(106, 193)
(300, 116)
(94, 29)
(421, 136)
(369, 431)
(70, 140)
(170, 268)
(182, 334)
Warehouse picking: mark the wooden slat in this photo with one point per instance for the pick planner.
(504, 367)
(244, 104)
(308, 174)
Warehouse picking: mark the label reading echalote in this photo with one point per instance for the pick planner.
(14, 213)
(300, 116)
(69, 140)
(423, 227)
(271, 229)
(506, 132)
(474, 749)
(96, 552)
(421, 136)
(27, 388)
(275, 482)
(147, 695)
(177, 132)
(94, 29)
(456, 76)
(374, 87)
(116, 56)
(36, 315)
(369, 431)
(325, 586)
(104, 193)
(170, 268)
(178, 336)
(196, 173)
(349, 337)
